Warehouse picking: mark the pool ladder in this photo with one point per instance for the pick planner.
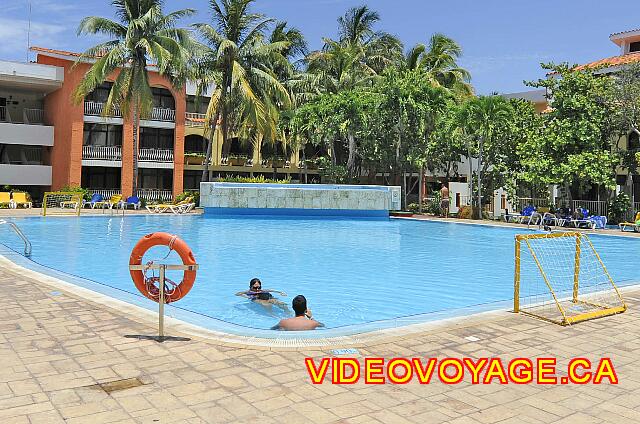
(27, 243)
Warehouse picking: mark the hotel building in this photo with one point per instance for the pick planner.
(48, 142)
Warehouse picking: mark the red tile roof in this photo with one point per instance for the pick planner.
(612, 61)
(53, 51)
(46, 51)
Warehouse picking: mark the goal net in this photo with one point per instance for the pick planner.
(61, 203)
(559, 277)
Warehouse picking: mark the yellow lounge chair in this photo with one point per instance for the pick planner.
(5, 198)
(635, 225)
(114, 200)
(163, 207)
(22, 199)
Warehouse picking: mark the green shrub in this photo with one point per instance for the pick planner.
(194, 194)
(76, 189)
(618, 208)
(260, 179)
(430, 205)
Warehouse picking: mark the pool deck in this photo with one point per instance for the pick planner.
(57, 346)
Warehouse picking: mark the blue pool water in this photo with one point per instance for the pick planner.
(351, 271)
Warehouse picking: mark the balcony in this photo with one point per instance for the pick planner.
(161, 114)
(92, 108)
(155, 155)
(111, 153)
(155, 195)
(27, 128)
(196, 120)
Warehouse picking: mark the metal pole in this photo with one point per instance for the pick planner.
(161, 305)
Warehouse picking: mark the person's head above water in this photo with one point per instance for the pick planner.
(299, 305)
(255, 284)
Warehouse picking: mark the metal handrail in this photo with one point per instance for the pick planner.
(27, 243)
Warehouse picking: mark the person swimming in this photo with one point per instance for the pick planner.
(264, 297)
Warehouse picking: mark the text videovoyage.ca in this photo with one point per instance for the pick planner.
(373, 370)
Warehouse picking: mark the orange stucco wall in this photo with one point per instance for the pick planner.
(68, 121)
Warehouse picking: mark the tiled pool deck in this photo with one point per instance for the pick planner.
(56, 346)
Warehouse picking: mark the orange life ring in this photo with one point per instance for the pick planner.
(145, 285)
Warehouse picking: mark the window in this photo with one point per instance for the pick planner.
(95, 177)
(194, 106)
(634, 47)
(102, 135)
(156, 138)
(101, 93)
(271, 150)
(195, 144)
(634, 141)
(163, 98)
(192, 180)
(155, 178)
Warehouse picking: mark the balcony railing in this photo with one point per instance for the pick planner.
(92, 108)
(30, 116)
(155, 155)
(105, 192)
(155, 195)
(102, 152)
(195, 119)
(161, 114)
(25, 155)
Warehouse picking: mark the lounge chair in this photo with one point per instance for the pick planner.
(182, 207)
(526, 214)
(131, 201)
(113, 201)
(96, 198)
(634, 226)
(589, 221)
(22, 199)
(173, 207)
(5, 198)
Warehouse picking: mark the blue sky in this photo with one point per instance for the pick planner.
(504, 41)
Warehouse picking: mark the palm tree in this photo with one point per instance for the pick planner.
(143, 35)
(359, 54)
(482, 118)
(439, 60)
(236, 60)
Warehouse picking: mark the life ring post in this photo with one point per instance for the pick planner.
(162, 268)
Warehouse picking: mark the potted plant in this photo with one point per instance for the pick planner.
(194, 158)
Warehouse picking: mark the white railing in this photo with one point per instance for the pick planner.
(96, 108)
(106, 193)
(155, 155)
(523, 202)
(595, 207)
(102, 152)
(636, 207)
(30, 116)
(31, 155)
(33, 116)
(195, 119)
(155, 195)
(162, 114)
(4, 114)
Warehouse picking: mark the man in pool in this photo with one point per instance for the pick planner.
(263, 297)
(303, 319)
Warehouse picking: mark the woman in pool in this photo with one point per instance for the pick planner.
(263, 297)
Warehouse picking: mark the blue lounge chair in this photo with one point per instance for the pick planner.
(131, 201)
(523, 216)
(96, 198)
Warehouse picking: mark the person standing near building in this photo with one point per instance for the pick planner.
(444, 202)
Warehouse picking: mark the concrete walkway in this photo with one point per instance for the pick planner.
(56, 349)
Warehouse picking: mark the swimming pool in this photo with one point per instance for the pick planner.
(353, 272)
